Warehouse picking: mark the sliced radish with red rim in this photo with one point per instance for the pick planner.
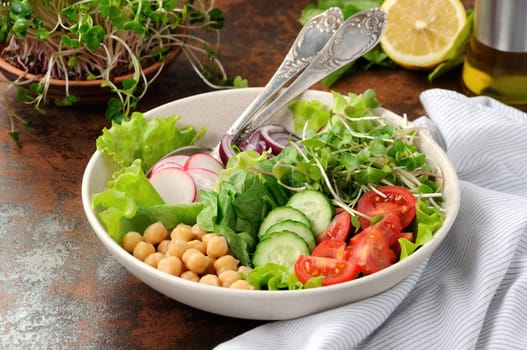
(177, 160)
(204, 161)
(174, 185)
(203, 178)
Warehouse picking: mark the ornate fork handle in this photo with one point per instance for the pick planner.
(310, 40)
(316, 34)
(356, 36)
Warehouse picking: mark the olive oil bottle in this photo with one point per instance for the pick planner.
(496, 61)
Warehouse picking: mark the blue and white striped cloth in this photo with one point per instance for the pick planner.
(472, 292)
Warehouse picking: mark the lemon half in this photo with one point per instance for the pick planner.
(419, 33)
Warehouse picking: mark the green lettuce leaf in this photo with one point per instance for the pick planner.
(310, 115)
(143, 139)
(273, 277)
(429, 219)
(130, 203)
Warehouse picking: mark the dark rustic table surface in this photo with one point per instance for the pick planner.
(59, 287)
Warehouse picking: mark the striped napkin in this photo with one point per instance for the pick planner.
(472, 292)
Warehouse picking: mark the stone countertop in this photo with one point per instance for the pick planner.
(60, 288)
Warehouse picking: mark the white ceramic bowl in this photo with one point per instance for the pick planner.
(216, 111)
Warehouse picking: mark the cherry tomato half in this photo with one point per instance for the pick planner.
(396, 200)
(333, 271)
(339, 228)
(370, 250)
(330, 248)
(390, 227)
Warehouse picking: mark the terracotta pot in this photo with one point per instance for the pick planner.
(89, 91)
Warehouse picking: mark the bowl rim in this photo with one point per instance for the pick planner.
(421, 254)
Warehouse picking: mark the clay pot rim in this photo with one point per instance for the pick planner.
(14, 71)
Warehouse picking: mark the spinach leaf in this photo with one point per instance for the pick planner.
(238, 207)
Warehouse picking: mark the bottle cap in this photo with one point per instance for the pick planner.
(501, 25)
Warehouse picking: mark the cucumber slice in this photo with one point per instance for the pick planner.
(302, 230)
(280, 214)
(316, 207)
(282, 248)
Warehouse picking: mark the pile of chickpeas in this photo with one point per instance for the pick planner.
(187, 252)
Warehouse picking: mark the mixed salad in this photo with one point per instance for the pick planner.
(343, 195)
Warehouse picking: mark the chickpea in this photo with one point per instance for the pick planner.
(143, 249)
(210, 268)
(171, 265)
(224, 263)
(228, 277)
(197, 232)
(190, 253)
(130, 240)
(153, 259)
(207, 237)
(241, 284)
(190, 275)
(183, 232)
(155, 233)
(199, 245)
(210, 280)
(197, 263)
(177, 248)
(186, 255)
(162, 247)
(217, 246)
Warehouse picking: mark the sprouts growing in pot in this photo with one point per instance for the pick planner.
(100, 40)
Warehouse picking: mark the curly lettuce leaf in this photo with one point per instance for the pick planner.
(309, 115)
(128, 189)
(130, 202)
(148, 140)
(429, 219)
(273, 277)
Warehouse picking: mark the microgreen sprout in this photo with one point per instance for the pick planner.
(100, 40)
(355, 152)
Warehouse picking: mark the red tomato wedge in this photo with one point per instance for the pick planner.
(390, 227)
(396, 200)
(338, 229)
(333, 271)
(330, 248)
(370, 250)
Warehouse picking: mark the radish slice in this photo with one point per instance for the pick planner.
(177, 160)
(203, 178)
(204, 161)
(174, 185)
(163, 166)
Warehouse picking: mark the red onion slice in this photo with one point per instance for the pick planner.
(254, 142)
(225, 149)
(273, 136)
(276, 137)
